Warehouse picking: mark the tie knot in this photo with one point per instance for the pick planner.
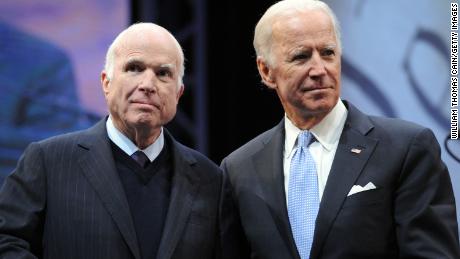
(305, 139)
(141, 158)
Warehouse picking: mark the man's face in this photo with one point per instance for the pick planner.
(306, 65)
(143, 91)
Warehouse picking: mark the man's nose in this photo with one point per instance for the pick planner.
(148, 83)
(318, 66)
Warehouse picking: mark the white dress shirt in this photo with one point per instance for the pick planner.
(125, 144)
(327, 133)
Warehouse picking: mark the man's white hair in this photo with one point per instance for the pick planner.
(263, 32)
(110, 56)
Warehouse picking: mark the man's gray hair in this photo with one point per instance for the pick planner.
(110, 55)
(263, 32)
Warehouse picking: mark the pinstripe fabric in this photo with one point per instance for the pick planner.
(65, 201)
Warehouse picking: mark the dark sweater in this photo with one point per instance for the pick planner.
(148, 192)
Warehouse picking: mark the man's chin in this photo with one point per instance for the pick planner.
(145, 121)
(326, 103)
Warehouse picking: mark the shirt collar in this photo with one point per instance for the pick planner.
(125, 144)
(326, 132)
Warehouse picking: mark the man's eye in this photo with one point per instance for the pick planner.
(328, 52)
(164, 73)
(300, 57)
(134, 68)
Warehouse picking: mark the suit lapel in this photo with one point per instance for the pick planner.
(183, 190)
(98, 166)
(346, 168)
(269, 168)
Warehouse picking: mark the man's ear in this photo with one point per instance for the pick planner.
(180, 92)
(105, 80)
(266, 73)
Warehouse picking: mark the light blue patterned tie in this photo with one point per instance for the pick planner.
(303, 195)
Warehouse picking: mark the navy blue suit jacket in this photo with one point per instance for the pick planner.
(65, 200)
(411, 214)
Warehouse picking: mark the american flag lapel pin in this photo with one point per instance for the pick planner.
(356, 150)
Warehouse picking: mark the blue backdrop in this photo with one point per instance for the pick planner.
(51, 55)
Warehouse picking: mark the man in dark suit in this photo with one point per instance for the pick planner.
(329, 181)
(123, 188)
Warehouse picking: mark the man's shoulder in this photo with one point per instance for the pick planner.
(397, 127)
(193, 156)
(193, 153)
(383, 126)
(254, 145)
(73, 137)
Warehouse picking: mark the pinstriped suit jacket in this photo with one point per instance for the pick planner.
(65, 200)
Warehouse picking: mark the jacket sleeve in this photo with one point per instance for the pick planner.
(22, 206)
(233, 243)
(424, 208)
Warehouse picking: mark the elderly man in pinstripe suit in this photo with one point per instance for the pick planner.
(123, 188)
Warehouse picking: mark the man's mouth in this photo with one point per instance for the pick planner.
(314, 88)
(146, 104)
